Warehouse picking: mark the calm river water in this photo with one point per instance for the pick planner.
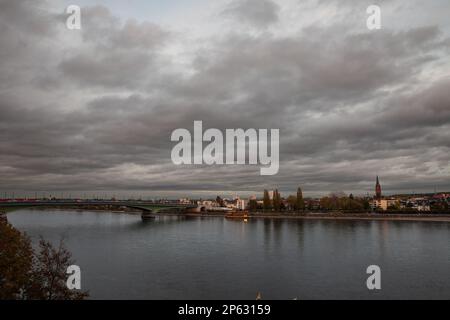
(122, 257)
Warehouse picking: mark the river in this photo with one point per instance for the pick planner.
(122, 257)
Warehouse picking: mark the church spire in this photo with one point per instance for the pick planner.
(378, 189)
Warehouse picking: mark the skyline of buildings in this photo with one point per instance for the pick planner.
(348, 104)
(211, 194)
(376, 201)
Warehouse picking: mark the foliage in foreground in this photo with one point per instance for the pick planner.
(26, 274)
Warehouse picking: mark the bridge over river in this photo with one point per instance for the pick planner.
(148, 208)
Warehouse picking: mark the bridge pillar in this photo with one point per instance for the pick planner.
(147, 216)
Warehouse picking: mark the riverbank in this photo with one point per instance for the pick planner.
(380, 217)
(3, 217)
(335, 216)
(277, 216)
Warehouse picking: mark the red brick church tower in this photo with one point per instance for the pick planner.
(378, 189)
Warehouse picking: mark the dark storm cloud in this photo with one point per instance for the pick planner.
(114, 54)
(430, 108)
(303, 69)
(34, 18)
(258, 13)
(94, 110)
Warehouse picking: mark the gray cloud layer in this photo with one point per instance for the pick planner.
(94, 110)
(257, 13)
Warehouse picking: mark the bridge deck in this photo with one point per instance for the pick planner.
(144, 206)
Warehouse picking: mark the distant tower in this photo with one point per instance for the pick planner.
(378, 189)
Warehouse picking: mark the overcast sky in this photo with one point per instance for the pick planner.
(92, 111)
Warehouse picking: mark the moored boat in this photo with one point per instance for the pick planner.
(239, 215)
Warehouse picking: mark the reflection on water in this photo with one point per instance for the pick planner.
(122, 257)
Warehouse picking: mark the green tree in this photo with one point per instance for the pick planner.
(267, 205)
(366, 204)
(253, 205)
(292, 201)
(439, 206)
(330, 203)
(276, 200)
(394, 207)
(50, 273)
(300, 200)
(16, 263)
(26, 274)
